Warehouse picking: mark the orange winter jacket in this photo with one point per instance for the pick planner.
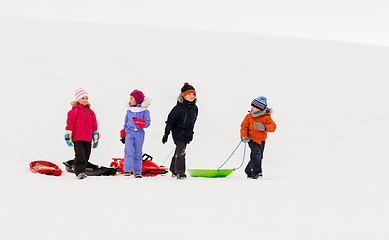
(247, 127)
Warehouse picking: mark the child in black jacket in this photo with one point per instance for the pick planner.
(181, 121)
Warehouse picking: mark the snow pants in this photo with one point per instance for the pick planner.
(254, 166)
(177, 166)
(82, 150)
(133, 151)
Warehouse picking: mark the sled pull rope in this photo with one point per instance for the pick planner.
(244, 154)
(233, 154)
(167, 156)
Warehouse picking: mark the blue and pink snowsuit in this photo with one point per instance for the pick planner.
(135, 137)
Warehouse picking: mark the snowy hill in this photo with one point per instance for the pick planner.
(325, 167)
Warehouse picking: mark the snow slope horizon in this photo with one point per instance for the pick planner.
(353, 21)
(315, 163)
(204, 30)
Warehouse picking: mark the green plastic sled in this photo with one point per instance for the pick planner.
(210, 173)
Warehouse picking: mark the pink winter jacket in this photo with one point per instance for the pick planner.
(82, 122)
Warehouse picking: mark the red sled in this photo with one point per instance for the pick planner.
(149, 168)
(45, 167)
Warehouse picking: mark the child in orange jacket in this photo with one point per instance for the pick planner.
(253, 131)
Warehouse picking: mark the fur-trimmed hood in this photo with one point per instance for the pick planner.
(269, 110)
(140, 107)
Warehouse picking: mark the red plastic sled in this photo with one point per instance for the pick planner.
(45, 167)
(149, 168)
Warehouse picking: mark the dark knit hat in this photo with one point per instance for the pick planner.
(260, 103)
(186, 89)
(138, 95)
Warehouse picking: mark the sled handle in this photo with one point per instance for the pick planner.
(233, 154)
(146, 157)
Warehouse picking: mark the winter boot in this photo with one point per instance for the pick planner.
(259, 175)
(138, 176)
(181, 176)
(127, 173)
(81, 176)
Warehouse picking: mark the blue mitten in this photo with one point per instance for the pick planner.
(95, 137)
(68, 138)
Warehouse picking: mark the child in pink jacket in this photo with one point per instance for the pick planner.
(81, 130)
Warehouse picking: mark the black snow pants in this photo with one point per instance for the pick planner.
(82, 150)
(177, 166)
(254, 167)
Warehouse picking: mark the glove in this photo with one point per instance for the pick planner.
(140, 122)
(165, 136)
(68, 138)
(259, 126)
(245, 139)
(95, 137)
(123, 136)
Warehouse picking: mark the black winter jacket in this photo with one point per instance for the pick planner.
(181, 120)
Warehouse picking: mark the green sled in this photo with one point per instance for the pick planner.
(210, 173)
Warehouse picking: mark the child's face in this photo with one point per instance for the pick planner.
(132, 101)
(83, 100)
(190, 97)
(254, 109)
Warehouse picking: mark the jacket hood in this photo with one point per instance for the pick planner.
(74, 104)
(269, 110)
(140, 107)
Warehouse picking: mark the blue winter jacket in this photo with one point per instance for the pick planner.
(140, 111)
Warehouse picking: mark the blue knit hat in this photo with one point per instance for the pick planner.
(259, 103)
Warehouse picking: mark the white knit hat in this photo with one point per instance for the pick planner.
(80, 93)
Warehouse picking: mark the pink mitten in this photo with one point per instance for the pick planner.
(141, 123)
(122, 133)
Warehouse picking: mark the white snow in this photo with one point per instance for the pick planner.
(358, 21)
(325, 167)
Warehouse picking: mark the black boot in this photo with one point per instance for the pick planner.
(181, 176)
(259, 175)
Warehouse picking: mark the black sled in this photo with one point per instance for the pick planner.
(92, 169)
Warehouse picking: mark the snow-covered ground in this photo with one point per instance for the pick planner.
(325, 167)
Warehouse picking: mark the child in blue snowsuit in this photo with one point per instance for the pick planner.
(133, 134)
